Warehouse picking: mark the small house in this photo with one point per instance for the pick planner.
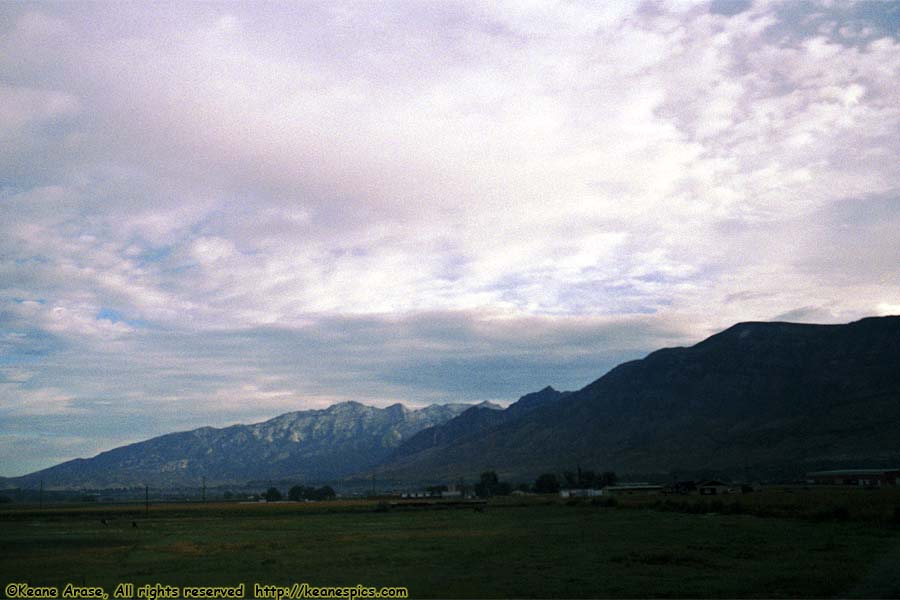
(714, 488)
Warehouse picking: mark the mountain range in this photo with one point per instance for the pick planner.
(758, 400)
(310, 445)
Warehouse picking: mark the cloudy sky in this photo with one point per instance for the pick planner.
(217, 213)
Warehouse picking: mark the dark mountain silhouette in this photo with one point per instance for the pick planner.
(471, 424)
(764, 400)
(756, 400)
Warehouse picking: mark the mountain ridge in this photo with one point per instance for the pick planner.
(764, 399)
(307, 445)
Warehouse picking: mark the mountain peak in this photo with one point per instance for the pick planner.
(531, 401)
(490, 405)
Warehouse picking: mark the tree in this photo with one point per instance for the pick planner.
(547, 483)
(487, 486)
(327, 493)
(587, 479)
(298, 493)
(322, 493)
(272, 495)
(608, 478)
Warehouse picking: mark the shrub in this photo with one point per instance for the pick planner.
(840, 513)
(735, 508)
(546, 484)
(607, 502)
(698, 508)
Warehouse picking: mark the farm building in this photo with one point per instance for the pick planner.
(579, 493)
(858, 477)
(436, 492)
(714, 488)
(630, 489)
(681, 487)
(420, 495)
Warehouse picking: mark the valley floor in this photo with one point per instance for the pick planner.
(535, 548)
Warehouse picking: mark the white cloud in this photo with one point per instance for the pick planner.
(211, 170)
(22, 106)
(16, 400)
(649, 128)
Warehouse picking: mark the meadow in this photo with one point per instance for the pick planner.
(536, 547)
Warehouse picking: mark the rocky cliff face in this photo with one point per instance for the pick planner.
(308, 445)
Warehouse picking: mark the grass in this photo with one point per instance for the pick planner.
(535, 548)
(877, 506)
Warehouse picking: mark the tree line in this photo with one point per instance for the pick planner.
(298, 493)
(489, 483)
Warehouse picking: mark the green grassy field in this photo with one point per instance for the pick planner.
(815, 503)
(535, 549)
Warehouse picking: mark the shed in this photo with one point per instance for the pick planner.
(714, 488)
(631, 489)
(857, 477)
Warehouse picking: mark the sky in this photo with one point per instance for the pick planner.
(218, 213)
